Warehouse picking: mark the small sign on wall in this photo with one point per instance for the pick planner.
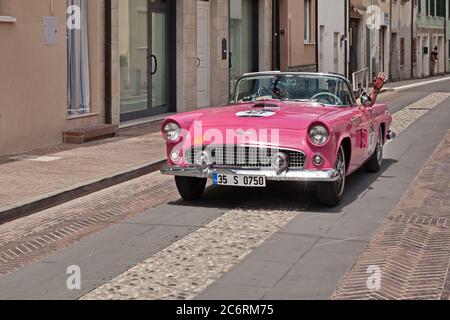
(51, 31)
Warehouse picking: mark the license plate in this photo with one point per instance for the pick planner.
(239, 181)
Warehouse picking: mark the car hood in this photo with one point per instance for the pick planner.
(268, 114)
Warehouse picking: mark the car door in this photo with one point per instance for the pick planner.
(362, 122)
(372, 133)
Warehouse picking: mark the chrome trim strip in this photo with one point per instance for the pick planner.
(271, 175)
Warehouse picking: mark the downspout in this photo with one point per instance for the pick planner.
(445, 37)
(108, 62)
(390, 38)
(346, 18)
(412, 38)
(317, 34)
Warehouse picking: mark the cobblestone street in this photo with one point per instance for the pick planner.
(412, 247)
(138, 240)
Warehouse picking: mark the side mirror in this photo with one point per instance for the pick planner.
(366, 100)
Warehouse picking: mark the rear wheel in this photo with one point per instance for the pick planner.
(330, 193)
(376, 160)
(190, 188)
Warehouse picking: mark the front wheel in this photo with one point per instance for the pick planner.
(190, 188)
(330, 193)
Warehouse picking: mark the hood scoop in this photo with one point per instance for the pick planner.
(260, 110)
(264, 105)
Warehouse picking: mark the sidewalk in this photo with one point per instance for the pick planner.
(411, 250)
(43, 178)
(411, 83)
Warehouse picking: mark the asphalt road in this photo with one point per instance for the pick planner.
(307, 250)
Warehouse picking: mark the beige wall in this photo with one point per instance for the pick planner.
(32, 79)
(265, 35)
(33, 76)
(296, 55)
(219, 68)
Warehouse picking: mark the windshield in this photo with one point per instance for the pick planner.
(322, 89)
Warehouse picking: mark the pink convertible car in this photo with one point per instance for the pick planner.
(278, 127)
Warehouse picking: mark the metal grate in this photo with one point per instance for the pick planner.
(245, 157)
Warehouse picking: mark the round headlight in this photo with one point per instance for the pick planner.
(318, 135)
(172, 131)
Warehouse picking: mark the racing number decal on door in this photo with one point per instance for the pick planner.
(364, 138)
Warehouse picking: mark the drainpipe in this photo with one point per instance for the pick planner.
(346, 42)
(390, 38)
(317, 35)
(108, 62)
(445, 37)
(412, 39)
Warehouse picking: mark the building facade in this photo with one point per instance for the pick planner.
(190, 54)
(369, 36)
(430, 33)
(126, 62)
(332, 35)
(34, 102)
(141, 60)
(298, 35)
(403, 40)
(447, 23)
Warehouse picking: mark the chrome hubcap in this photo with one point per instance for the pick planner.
(340, 168)
(380, 149)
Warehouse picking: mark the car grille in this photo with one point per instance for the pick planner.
(246, 157)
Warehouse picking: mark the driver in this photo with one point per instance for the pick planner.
(278, 91)
(332, 86)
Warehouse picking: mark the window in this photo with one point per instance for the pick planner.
(308, 16)
(420, 5)
(78, 81)
(433, 8)
(427, 7)
(243, 39)
(440, 8)
(402, 51)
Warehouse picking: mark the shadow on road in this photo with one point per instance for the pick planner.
(285, 196)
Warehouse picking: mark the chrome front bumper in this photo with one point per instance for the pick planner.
(271, 175)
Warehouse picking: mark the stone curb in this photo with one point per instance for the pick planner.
(52, 199)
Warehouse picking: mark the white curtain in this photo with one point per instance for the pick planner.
(78, 82)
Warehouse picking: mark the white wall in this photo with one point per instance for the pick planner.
(332, 17)
(401, 24)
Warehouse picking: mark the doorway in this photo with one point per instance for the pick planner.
(276, 63)
(441, 52)
(382, 53)
(353, 43)
(425, 56)
(146, 57)
(243, 39)
(394, 67)
(203, 54)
